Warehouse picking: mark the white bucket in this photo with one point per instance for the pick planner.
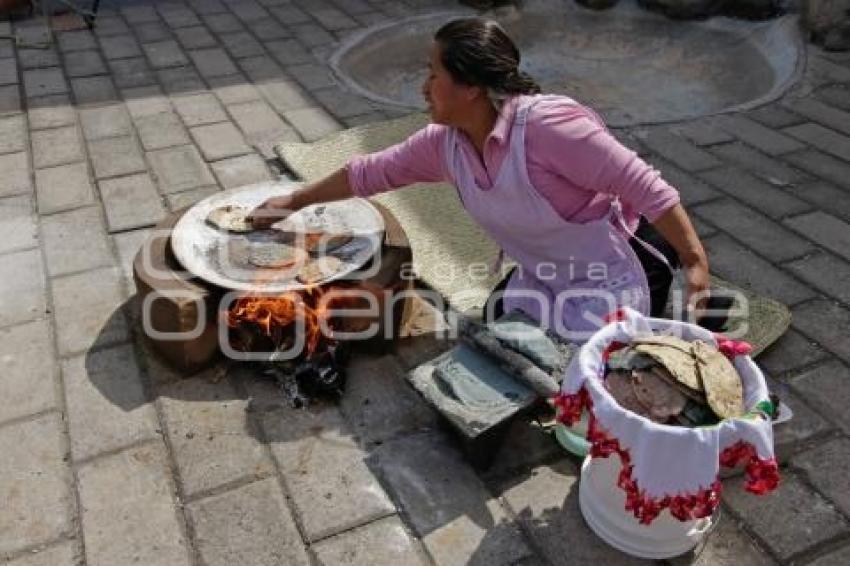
(602, 504)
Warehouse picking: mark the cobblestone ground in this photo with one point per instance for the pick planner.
(109, 458)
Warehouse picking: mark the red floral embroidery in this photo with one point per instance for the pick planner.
(762, 475)
(732, 348)
(571, 406)
(616, 316)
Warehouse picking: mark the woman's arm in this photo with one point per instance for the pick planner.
(333, 187)
(676, 227)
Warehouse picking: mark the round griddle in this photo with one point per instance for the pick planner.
(221, 257)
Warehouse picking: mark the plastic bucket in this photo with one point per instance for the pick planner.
(602, 504)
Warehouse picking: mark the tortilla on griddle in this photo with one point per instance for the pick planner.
(231, 218)
(319, 269)
(275, 254)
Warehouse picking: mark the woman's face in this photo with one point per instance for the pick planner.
(447, 100)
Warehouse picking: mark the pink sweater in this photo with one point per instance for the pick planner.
(572, 159)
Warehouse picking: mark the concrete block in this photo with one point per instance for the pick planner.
(816, 111)
(761, 195)
(63, 188)
(152, 32)
(234, 89)
(774, 171)
(382, 543)
(825, 467)
(727, 545)
(704, 132)
(825, 272)
(822, 165)
(333, 19)
(50, 112)
(204, 7)
(834, 95)
(825, 139)
(826, 322)
(804, 430)
(826, 196)
(131, 202)
(835, 558)
(122, 46)
(16, 174)
(242, 44)
(161, 130)
(176, 201)
(775, 116)
(10, 100)
(196, 37)
(261, 125)
(63, 553)
(94, 90)
(761, 137)
(105, 122)
(222, 23)
(261, 69)
(291, 14)
(341, 103)
(131, 73)
(312, 35)
(289, 52)
(139, 14)
(311, 76)
(249, 11)
(312, 123)
(76, 40)
(199, 109)
(166, 53)
(18, 227)
(41, 82)
(792, 351)
(22, 288)
(177, 16)
(56, 147)
(212, 62)
(239, 171)
(677, 150)
(116, 156)
(75, 241)
(145, 101)
(826, 230)
(29, 370)
(218, 141)
(286, 96)
(179, 169)
(38, 58)
(269, 30)
(84, 64)
(825, 388)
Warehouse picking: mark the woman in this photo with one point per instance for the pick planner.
(542, 175)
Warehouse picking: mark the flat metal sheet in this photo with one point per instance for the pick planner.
(221, 257)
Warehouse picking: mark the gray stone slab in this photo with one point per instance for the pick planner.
(382, 543)
(16, 174)
(6, 49)
(290, 14)
(286, 96)
(50, 112)
(116, 156)
(312, 35)
(262, 69)
(75, 241)
(822, 165)
(162, 130)
(289, 52)
(826, 196)
(208, 6)
(106, 402)
(341, 103)
(759, 233)
(772, 170)
(677, 150)
(199, 109)
(139, 13)
(242, 44)
(448, 506)
(815, 110)
(63, 188)
(132, 72)
(239, 171)
(94, 90)
(127, 244)
(825, 272)
(249, 525)
(10, 100)
(826, 468)
(8, 71)
(262, 126)
(372, 18)
(213, 62)
(18, 227)
(234, 89)
(249, 11)
(222, 23)
(211, 439)
(727, 545)
(131, 202)
(195, 37)
(827, 323)
(837, 557)
(761, 195)
(176, 201)
(29, 370)
(64, 553)
(330, 483)
(179, 169)
(804, 430)
(704, 132)
(152, 32)
(218, 141)
(76, 40)
(177, 16)
(105, 122)
(312, 76)
(269, 30)
(761, 137)
(792, 351)
(312, 123)
(22, 288)
(120, 47)
(807, 518)
(775, 116)
(37, 58)
(136, 480)
(826, 230)
(166, 53)
(145, 101)
(825, 139)
(825, 388)
(40, 82)
(84, 64)
(333, 19)
(837, 96)
(56, 147)
(87, 310)
(34, 484)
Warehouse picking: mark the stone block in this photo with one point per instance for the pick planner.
(161, 130)
(218, 141)
(249, 11)
(826, 322)
(196, 37)
(269, 30)
(311, 76)
(18, 228)
(63, 553)
(145, 101)
(166, 53)
(249, 525)
(177, 16)
(76, 40)
(772, 170)
(704, 132)
(239, 171)
(75, 241)
(837, 96)
(29, 370)
(22, 287)
(41, 82)
(792, 351)
(290, 52)
(261, 125)
(10, 100)
(199, 109)
(242, 44)
(139, 14)
(84, 64)
(106, 402)
(234, 89)
(56, 147)
(208, 6)
(826, 468)
(775, 116)
(116, 156)
(34, 484)
(312, 35)
(176, 201)
(448, 506)
(761, 137)
(761, 195)
(152, 32)
(179, 169)
(804, 430)
(822, 165)
(213, 62)
(13, 134)
(826, 230)
(37, 58)
(50, 112)
(825, 388)
(770, 239)
(105, 122)
(290, 14)
(94, 90)
(727, 545)
(826, 196)
(826, 273)
(222, 23)
(261, 69)
(341, 103)
(87, 308)
(823, 114)
(824, 139)
(131, 202)
(837, 557)
(131, 73)
(122, 46)
(63, 188)
(382, 543)
(286, 96)
(331, 486)
(137, 480)
(333, 19)
(806, 518)
(16, 174)
(677, 150)
(312, 123)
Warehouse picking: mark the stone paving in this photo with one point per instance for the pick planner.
(111, 458)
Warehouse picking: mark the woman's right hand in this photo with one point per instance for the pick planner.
(272, 210)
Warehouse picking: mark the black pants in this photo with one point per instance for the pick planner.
(657, 273)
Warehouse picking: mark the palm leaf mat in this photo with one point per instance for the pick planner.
(444, 239)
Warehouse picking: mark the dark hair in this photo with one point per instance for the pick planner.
(478, 52)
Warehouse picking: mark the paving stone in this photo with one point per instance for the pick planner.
(739, 265)
(218, 141)
(836, 558)
(22, 295)
(826, 230)
(772, 170)
(145, 101)
(63, 188)
(75, 241)
(152, 32)
(27, 31)
(269, 30)
(371, 18)
(212, 62)
(135, 479)
(177, 16)
(261, 125)
(18, 228)
(207, 6)
(726, 545)
(50, 112)
(34, 484)
(546, 503)
(234, 89)
(333, 19)
(116, 156)
(64, 553)
(249, 11)
(222, 23)
(330, 483)
(179, 169)
(206, 421)
(825, 272)
(105, 122)
(378, 402)
(837, 96)
(29, 370)
(181, 80)
(165, 54)
(249, 525)
(239, 171)
(161, 130)
(139, 14)
(110, 26)
(827, 323)
(127, 244)
(289, 14)
(826, 197)
(106, 403)
(526, 444)
(262, 69)
(342, 104)
(242, 44)
(289, 52)
(13, 134)
(56, 147)
(84, 64)
(677, 150)
(312, 76)
(824, 114)
(87, 310)
(792, 351)
(8, 71)
(40, 82)
(807, 518)
(177, 201)
(448, 506)
(76, 40)
(10, 100)
(6, 49)
(704, 132)
(761, 137)
(825, 388)
(824, 139)
(775, 116)
(131, 202)
(312, 123)
(381, 543)
(825, 467)
(806, 429)
(195, 37)
(765, 197)
(199, 109)
(94, 90)
(312, 35)
(757, 232)
(16, 174)
(822, 165)
(131, 73)
(37, 58)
